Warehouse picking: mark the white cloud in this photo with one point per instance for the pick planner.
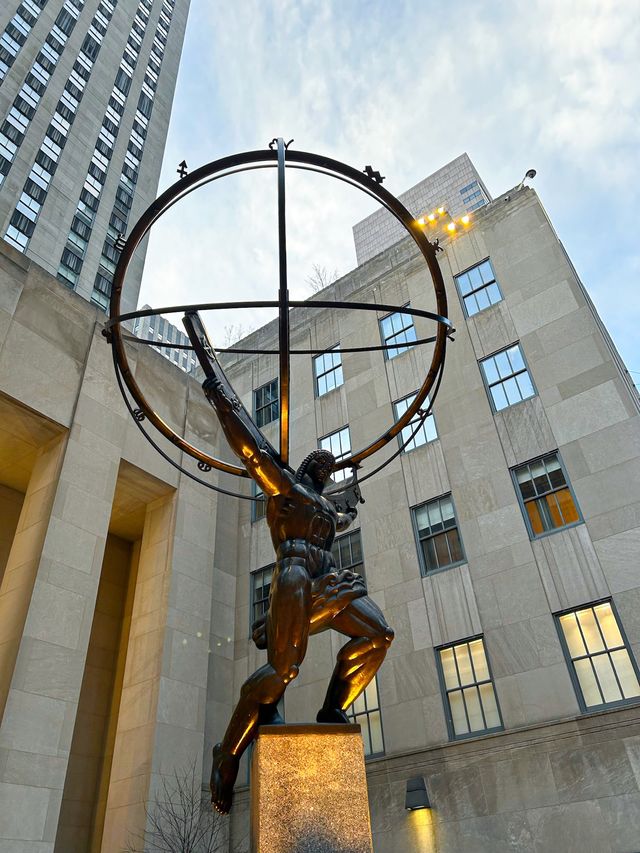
(406, 87)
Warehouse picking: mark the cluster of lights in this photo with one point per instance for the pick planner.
(451, 226)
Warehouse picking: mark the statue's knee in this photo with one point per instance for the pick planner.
(287, 674)
(384, 639)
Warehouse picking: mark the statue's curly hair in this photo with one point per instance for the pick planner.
(324, 457)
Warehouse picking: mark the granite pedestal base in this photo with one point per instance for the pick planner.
(309, 790)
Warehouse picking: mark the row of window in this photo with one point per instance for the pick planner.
(602, 669)
(25, 215)
(168, 333)
(473, 196)
(130, 169)
(543, 491)
(16, 32)
(82, 224)
(505, 373)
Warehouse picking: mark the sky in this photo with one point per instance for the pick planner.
(406, 86)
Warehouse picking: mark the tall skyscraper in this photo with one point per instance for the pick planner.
(86, 89)
(161, 330)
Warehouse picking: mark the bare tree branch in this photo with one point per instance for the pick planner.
(178, 821)
(233, 332)
(320, 278)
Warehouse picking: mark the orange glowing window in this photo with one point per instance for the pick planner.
(547, 499)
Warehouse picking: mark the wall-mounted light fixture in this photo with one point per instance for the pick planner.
(416, 797)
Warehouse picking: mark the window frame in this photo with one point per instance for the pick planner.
(461, 296)
(401, 347)
(424, 572)
(355, 716)
(252, 601)
(575, 681)
(342, 474)
(412, 425)
(317, 376)
(348, 535)
(488, 385)
(444, 690)
(255, 517)
(514, 477)
(257, 408)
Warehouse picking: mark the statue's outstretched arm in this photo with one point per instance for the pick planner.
(246, 440)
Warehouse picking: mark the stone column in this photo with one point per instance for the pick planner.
(70, 499)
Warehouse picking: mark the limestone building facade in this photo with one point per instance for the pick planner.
(503, 545)
(86, 88)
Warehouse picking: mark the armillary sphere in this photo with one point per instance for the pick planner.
(277, 156)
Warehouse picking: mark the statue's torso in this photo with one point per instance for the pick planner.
(303, 516)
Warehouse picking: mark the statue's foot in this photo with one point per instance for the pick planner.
(332, 715)
(270, 716)
(223, 777)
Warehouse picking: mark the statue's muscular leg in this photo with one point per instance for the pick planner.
(358, 660)
(287, 636)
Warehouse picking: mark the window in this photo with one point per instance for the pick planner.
(366, 712)
(545, 495)
(347, 552)
(338, 443)
(145, 105)
(507, 378)
(65, 21)
(427, 431)
(266, 404)
(71, 260)
(398, 329)
(470, 700)
(260, 588)
(327, 369)
(603, 671)
(91, 47)
(259, 507)
(478, 288)
(473, 196)
(436, 527)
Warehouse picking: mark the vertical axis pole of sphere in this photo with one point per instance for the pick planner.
(283, 309)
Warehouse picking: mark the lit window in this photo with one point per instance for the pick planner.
(545, 495)
(470, 699)
(328, 371)
(266, 404)
(603, 669)
(426, 432)
(478, 288)
(397, 329)
(365, 711)
(260, 588)
(436, 527)
(347, 552)
(338, 443)
(507, 378)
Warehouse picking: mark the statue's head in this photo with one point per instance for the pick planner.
(317, 467)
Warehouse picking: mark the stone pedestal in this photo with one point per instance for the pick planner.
(309, 791)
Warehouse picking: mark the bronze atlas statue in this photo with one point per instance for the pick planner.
(308, 593)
